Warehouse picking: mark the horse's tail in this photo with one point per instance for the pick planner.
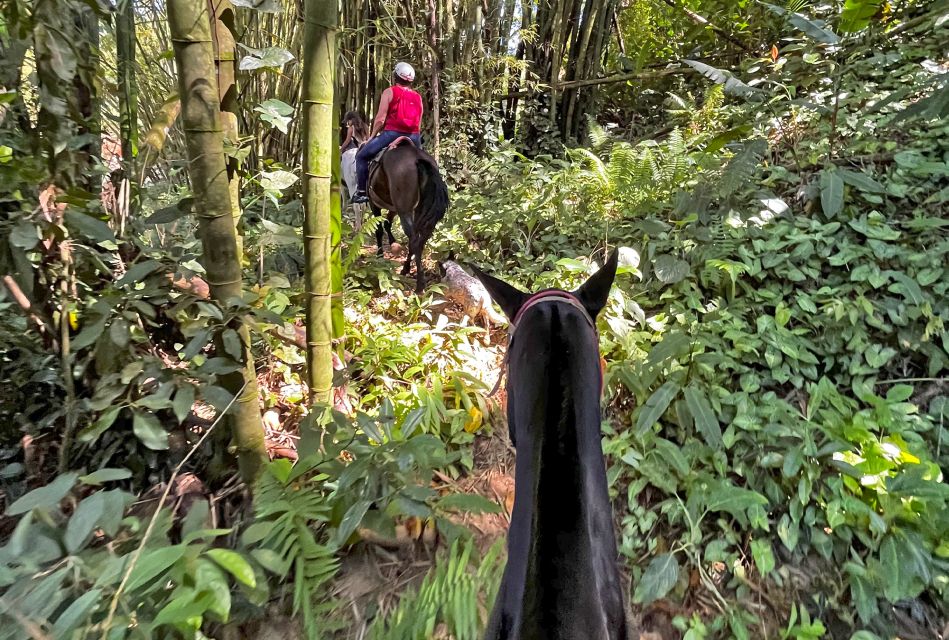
(433, 197)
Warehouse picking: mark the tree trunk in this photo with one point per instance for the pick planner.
(84, 84)
(190, 28)
(225, 60)
(319, 60)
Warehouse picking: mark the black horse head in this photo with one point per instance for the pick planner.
(561, 581)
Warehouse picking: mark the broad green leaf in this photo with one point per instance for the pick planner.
(44, 497)
(468, 502)
(862, 594)
(861, 181)
(673, 345)
(857, 14)
(660, 576)
(92, 432)
(723, 496)
(263, 6)
(899, 393)
(75, 614)
(105, 475)
(149, 430)
(656, 405)
(705, 419)
(407, 506)
(84, 521)
(906, 286)
(88, 226)
(788, 532)
(276, 113)
(267, 58)
(217, 397)
(763, 555)
(119, 333)
(351, 520)
(235, 564)
(24, 235)
(811, 29)
(183, 402)
(831, 192)
(893, 573)
(187, 606)
(277, 180)
(729, 82)
(180, 209)
(671, 454)
(137, 272)
(670, 269)
(209, 577)
(152, 563)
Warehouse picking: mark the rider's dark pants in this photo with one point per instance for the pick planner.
(372, 147)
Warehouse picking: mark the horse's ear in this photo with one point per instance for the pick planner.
(594, 292)
(509, 298)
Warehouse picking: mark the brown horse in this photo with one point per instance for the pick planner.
(406, 182)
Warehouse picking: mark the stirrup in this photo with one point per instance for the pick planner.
(359, 197)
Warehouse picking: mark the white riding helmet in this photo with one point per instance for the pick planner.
(405, 71)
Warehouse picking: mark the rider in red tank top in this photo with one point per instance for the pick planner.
(399, 114)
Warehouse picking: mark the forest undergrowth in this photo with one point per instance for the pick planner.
(776, 399)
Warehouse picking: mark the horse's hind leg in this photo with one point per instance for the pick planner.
(406, 221)
(417, 246)
(389, 228)
(375, 213)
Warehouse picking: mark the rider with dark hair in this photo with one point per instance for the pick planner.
(399, 114)
(357, 131)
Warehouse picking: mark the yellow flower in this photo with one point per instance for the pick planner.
(474, 421)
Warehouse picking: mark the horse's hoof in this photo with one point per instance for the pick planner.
(379, 252)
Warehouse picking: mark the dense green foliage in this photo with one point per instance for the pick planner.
(776, 341)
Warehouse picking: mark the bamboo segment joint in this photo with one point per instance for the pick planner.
(223, 283)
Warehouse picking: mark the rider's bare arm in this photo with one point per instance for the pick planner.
(380, 120)
(349, 138)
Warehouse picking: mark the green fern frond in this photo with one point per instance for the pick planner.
(291, 512)
(451, 594)
(742, 165)
(599, 137)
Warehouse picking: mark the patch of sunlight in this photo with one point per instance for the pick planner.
(773, 207)
(657, 322)
(733, 220)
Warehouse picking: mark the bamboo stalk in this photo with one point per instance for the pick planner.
(319, 60)
(190, 27)
(436, 80)
(128, 97)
